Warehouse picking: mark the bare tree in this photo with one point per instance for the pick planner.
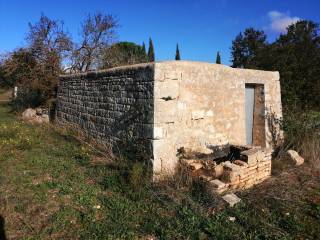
(49, 42)
(97, 32)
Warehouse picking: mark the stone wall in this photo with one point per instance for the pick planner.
(111, 106)
(199, 106)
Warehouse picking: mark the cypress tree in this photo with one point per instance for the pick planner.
(151, 57)
(143, 48)
(144, 53)
(177, 53)
(218, 58)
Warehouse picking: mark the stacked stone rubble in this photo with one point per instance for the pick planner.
(253, 167)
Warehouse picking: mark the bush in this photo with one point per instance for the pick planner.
(302, 133)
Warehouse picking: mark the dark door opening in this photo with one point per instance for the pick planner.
(255, 114)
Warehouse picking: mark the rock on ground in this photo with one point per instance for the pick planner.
(29, 113)
(295, 157)
(231, 199)
(35, 115)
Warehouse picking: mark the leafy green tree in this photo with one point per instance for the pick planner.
(218, 58)
(177, 57)
(22, 69)
(151, 56)
(295, 54)
(123, 53)
(246, 47)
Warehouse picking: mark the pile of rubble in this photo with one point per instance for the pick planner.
(251, 166)
(37, 115)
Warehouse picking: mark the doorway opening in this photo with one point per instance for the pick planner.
(255, 115)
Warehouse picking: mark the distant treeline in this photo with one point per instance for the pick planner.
(50, 51)
(295, 54)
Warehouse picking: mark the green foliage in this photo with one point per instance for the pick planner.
(295, 54)
(177, 57)
(151, 57)
(138, 176)
(144, 49)
(246, 47)
(123, 53)
(218, 58)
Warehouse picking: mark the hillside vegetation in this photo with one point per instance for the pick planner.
(54, 187)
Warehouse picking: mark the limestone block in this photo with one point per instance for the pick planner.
(231, 199)
(217, 184)
(295, 157)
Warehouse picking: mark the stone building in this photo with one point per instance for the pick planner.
(172, 105)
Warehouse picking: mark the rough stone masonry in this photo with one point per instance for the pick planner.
(174, 105)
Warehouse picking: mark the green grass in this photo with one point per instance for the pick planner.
(51, 189)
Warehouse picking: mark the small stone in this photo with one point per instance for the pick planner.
(29, 113)
(217, 184)
(232, 219)
(295, 157)
(231, 199)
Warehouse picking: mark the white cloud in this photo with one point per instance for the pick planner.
(280, 21)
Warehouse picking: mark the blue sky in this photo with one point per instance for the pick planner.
(201, 27)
